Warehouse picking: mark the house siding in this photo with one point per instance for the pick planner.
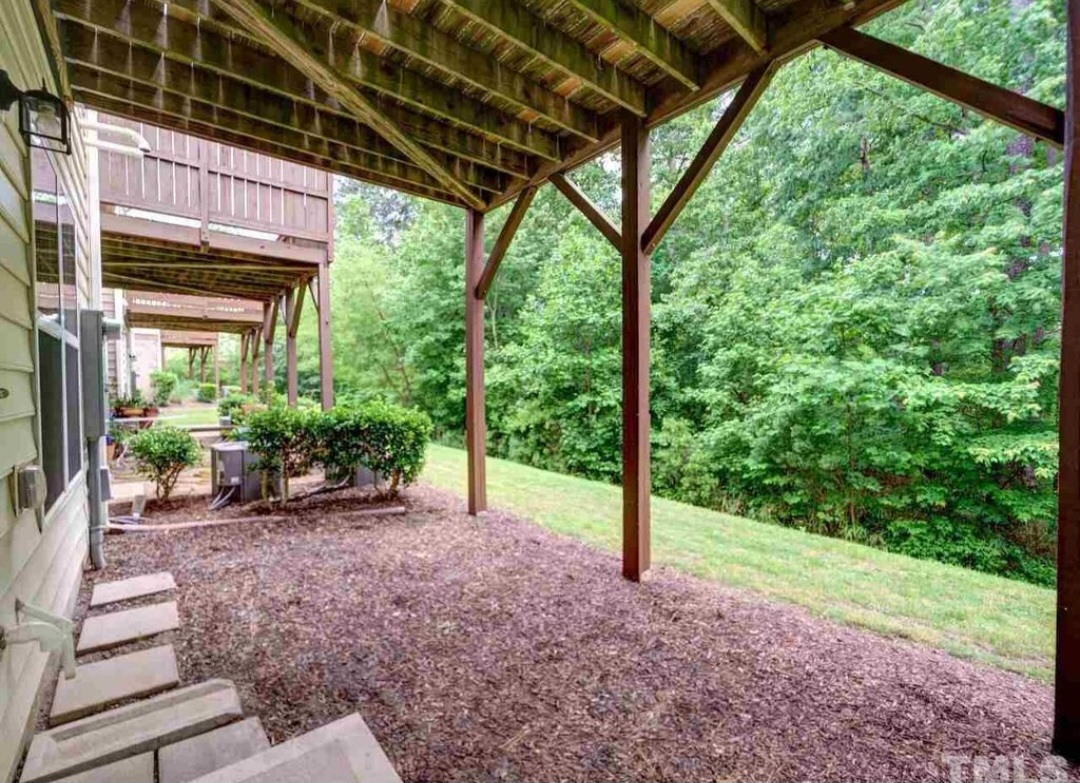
(41, 563)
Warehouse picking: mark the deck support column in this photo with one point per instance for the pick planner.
(270, 313)
(1067, 674)
(636, 314)
(294, 301)
(190, 363)
(217, 367)
(475, 421)
(256, 345)
(326, 351)
(244, 339)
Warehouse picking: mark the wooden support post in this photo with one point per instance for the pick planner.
(217, 367)
(636, 306)
(294, 305)
(1066, 740)
(270, 313)
(475, 421)
(202, 363)
(190, 363)
(244, 339)
(256, 345)
(326, 352)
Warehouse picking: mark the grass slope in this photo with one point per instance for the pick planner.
(999, 621)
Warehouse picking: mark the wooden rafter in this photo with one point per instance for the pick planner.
(231, 65)
(305, 55)
(997, 103)
(384, 24)
(746, 19)
(526, 30)
(722, 134)
(585, 205)
(502, 244)
(646, 36)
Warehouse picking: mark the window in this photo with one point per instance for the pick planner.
(58, 303)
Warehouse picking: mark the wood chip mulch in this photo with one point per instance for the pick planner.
(492, 649)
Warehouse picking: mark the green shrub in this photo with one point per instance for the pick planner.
(388, 439)
(207, 392)
(232, 406)
(285, 440)
(228, 391)
(161, 453)
(162, 385)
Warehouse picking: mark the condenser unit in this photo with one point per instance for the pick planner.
(235, 476)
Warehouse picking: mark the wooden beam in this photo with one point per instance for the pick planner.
(502, 244)
(1066, 739)
(290, 301)
(304, 53)
(270, 317)
(585, 205)
(636, 306)
(245, 338)
(722, 134)
(991, 101)
(326, 349)
(202, 50)
(256, 346)
(646, 36)
(380, 22)
(558, 50)
(746, 19)
(475, 420)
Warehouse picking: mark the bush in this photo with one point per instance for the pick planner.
(285, 440)
(162, 452)
(207, 392)
(162, 385)
(387, 439)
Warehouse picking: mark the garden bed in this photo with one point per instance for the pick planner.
(491, 649)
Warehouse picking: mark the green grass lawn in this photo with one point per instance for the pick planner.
(999, 621)
(190, 413)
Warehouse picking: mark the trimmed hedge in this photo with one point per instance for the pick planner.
(207, 392)
(387, 439)
(232, 405)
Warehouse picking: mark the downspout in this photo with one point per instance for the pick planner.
(95, 447)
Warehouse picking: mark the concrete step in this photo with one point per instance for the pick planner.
(344, 751)
(126, 589)
(130, 730)
(116, 628)
(205, 753)
(103, 684)
(137, 769)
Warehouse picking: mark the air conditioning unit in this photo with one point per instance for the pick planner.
(234, 467)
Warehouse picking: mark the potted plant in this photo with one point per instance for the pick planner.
(130, 406)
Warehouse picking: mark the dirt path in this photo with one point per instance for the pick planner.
(494, 650)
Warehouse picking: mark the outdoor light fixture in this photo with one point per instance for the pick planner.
(43, 117)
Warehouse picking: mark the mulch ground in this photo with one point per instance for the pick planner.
(491, 649)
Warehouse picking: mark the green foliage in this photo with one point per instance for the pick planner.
(162, 453)
(232, 405)
(856, 319)
(135, 400)
(285, 440)
(162, 384)
(207, 392)
(388, 439)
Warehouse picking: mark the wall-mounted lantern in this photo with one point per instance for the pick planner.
(43, 118)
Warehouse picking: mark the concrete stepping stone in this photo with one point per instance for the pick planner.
(205, 753)
(131, 730)
(126, 589)
(137, 769)
(102, 684)
(117, 628)
(344, 751)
